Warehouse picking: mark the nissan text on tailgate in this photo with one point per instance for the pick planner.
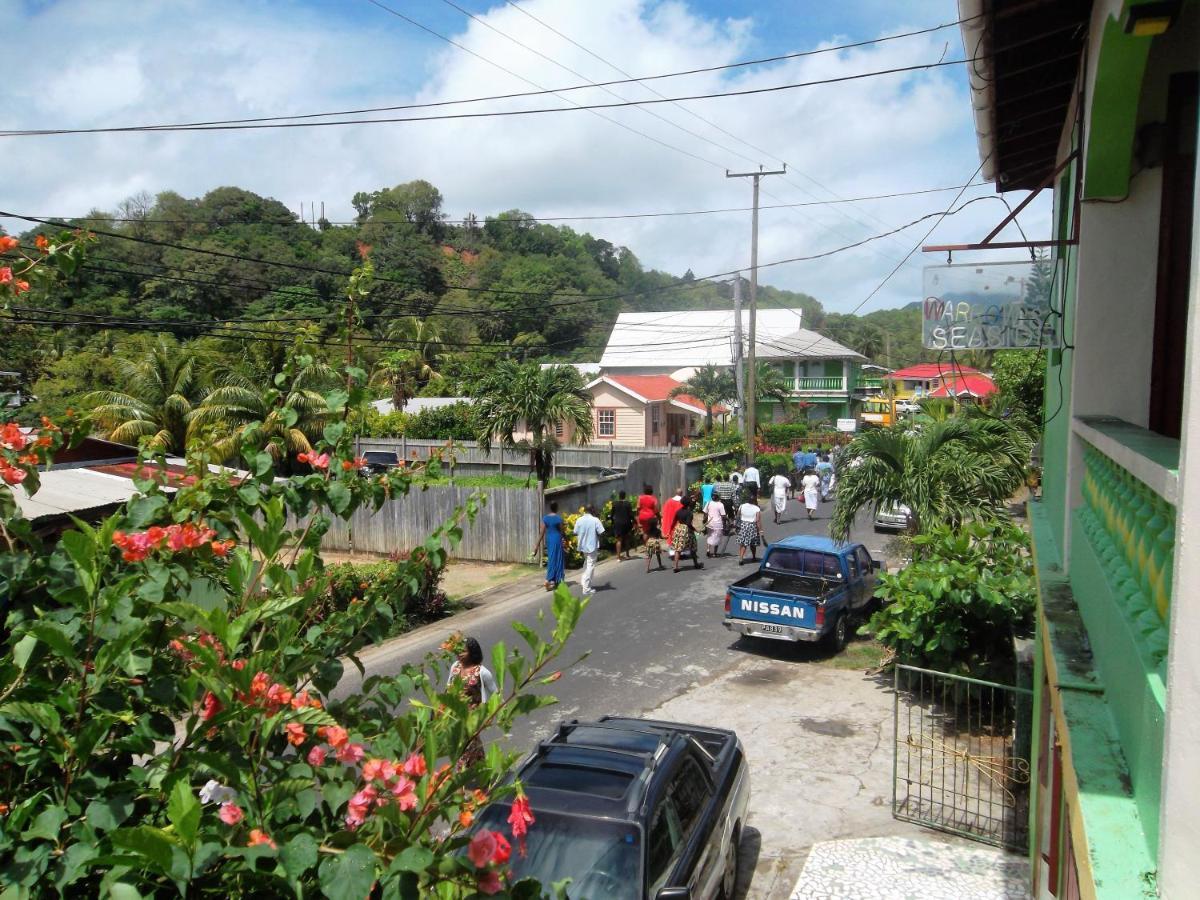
(806, 589)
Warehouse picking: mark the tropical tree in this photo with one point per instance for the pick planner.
(512, 396)
(710, 385)
(283, 419)
(770, 383)
(945, 473)
(405, 371)
(163, 387)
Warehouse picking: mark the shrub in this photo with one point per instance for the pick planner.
(789, 435)
(957, 606)
(166, 721)
(454, 422)
(387, 585)
(717, 442)
(770, 463)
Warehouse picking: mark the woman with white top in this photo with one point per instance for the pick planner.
(749, 531)
(780, 485)
(811, 484)
(472, 677)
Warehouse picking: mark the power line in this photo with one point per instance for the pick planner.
(540, 92)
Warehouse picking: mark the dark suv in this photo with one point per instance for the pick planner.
(633, 809)
(377, 462)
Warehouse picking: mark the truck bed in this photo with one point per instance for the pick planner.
(800, 587)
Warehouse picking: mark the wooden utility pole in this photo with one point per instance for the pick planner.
(751, 395)
(737, 353)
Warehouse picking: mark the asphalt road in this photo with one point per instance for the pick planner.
(648, 636)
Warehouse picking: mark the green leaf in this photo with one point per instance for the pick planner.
(348, 875)
(47, 824)
(412, 859)
(123, 891)
(152, 844)
(107, 814)
(249, 494)
(55, 637)
(298, 855)
(22, 650)
(183, 810)
(262, 465)
(43, 715)
(339, 497)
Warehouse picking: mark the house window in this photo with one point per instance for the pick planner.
(655, 417)
(558, 429)
(606, 423)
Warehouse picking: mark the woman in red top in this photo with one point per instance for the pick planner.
(647, 508)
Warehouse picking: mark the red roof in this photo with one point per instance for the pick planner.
(973, 385)
(930, 371)
(658, 387)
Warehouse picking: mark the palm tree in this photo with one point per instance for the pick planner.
(405, 371)
(710, 385)
(163, 387)
(511, 395)
(945, 472)
(770, 383)
(286, 418)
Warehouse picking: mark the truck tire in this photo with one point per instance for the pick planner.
(839, 636)
(729, 876)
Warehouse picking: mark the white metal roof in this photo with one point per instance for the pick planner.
(417, 404)
(74, 491)
(690, 337)
(803, 344)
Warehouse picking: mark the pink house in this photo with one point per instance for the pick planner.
(638, 411)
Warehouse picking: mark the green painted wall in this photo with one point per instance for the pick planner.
(1114, 106)
(833, 368)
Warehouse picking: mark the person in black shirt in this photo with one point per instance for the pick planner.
(622, 525)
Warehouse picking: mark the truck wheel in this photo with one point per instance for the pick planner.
(840, 636)
(729, 876)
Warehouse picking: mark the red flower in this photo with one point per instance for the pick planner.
(258, 836)
(231, 813)
(6, 275)
(350, 754)
(520, 818)
(11, 474)
(210, 707)
(359, 806)
(482, 848)
(414, 765)
(378, 769)
(335, 735)
(503, 850)
(316, 756)
(8, 243)
(12, 437)
(41, 243)
(302, 457)
(319, 461)
(221, 548)
(405, 793)
(21, 286)
(295, 733)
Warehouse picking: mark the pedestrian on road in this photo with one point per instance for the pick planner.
(622, 525)
(810, 459)
(780, 485)
(653, 543)
(714, 524)
(647, 508)
(798, 461)
(552, 533)
(683, 536)
(811, 483)
(749, 531)
(706, 491)
(670, 511)
(478, 684)
(588, 529)
(753, 481)
(825, 473)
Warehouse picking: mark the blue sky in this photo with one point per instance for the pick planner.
(103, 62)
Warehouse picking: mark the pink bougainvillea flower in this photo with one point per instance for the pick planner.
(20, 286)
(209, 707)
(316, 756)
(520, 818)
(414, 765)
(12, 437)
(488, 882)
(482, 848)
(295, 733)
(319, 461)
(6, 275)
(405, 793)
(258, 836)
(378, 769)
(11, 474)
(359, 806)
(221, 548)
(231, 813)
(350, 753)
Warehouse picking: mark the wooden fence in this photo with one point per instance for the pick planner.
(505, 530)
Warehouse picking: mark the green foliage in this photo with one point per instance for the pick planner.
(457, 422)
(945, 472)
(958, 605)
(772, 463)
(711, 386)
(385, 584)
(718, 442)
(196, 637)
(1020, 376)
(789, 434)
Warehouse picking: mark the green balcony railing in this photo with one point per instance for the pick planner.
(797, 385)
(870, 384)
(1132, 529)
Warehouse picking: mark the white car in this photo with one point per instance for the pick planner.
(892, 517)
(908, 406)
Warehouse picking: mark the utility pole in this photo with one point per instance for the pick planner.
(737, 353)
(752, 363)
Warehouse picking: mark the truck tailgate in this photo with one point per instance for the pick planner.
(770, 607)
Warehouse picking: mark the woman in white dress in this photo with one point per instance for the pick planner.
(811, 484)
(780, 485)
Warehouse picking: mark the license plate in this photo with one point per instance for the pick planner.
(771, 629)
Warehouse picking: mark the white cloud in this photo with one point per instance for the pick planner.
(91, 63)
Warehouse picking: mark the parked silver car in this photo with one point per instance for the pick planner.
(892, 517)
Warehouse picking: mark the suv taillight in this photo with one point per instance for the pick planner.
(820, 615)
(728, 600)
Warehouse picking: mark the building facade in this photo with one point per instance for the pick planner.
(1098, 101)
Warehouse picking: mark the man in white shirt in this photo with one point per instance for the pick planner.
(588, 529)
(753, 481)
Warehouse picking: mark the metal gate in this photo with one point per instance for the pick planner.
(961, 760)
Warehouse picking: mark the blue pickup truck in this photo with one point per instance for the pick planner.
(806, 589)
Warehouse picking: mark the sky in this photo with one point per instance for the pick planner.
(97, 63)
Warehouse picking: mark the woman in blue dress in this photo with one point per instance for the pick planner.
(552, 532)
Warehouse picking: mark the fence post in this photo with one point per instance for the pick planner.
(610, 454)
(404, 448)
(500, 453)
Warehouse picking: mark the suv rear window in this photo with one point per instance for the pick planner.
(804, 562)
(580, 780)
(380, 457)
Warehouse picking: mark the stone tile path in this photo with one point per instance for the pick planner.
(901, 868)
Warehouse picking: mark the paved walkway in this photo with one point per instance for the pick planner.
(911, 868)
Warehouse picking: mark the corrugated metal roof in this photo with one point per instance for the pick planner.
(74, 491)
(417, 404)
(803, 344)
(689, 337)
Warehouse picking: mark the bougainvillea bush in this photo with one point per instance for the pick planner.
(165, 716)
